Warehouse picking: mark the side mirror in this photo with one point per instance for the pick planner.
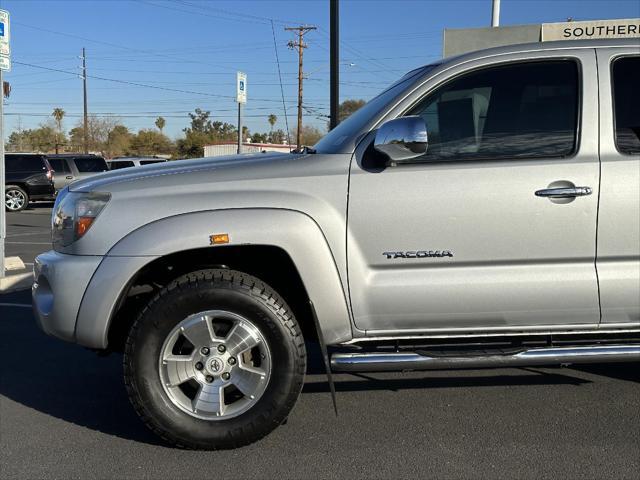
(402, 139)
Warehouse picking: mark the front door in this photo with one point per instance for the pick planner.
(468, 237)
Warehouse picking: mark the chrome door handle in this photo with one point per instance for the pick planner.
(564, 192)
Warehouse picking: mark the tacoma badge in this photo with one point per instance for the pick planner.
(419, 254)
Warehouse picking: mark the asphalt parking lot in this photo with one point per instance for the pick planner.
(64, 414)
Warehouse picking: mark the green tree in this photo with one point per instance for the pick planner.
(203, 131)
(118, 141)
(272, 119)
(348, 107)
(277, 136)
(309, 135)
(149, 142)
(42, 139)
(160, 123)
(260, 138)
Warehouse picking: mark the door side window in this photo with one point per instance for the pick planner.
(525, 110)
(59, 165)
(626, 104)
(90, 164)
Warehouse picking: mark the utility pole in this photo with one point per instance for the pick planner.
(495, 14)
(84, 85)
(334, 53)
(300, 45)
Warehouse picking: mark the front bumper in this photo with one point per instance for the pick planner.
(60, 282)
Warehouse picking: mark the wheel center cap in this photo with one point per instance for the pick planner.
(215, 365)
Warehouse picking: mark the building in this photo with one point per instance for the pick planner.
(462, 40)
(231, 148)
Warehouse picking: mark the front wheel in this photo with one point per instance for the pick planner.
(15, 198)
(216, 360)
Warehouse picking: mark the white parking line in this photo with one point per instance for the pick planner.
(30, 233)
(20, 305)
(28, 243)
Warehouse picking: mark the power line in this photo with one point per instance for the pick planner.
(137, 84)
(284, 105)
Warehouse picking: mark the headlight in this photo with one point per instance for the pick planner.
(73, 214)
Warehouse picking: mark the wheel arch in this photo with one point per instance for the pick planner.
(284, 248)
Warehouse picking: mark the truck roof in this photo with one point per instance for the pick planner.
(541, 46)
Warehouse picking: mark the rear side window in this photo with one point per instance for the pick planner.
(24, 163)
(59, 165)
(626, 104)
(91, 164)
(117, 165)
(524, 110)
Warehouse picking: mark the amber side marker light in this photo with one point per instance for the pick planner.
(83, 224)
(219, 238)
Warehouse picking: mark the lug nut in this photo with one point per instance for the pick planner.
(204, 351)
(209, 379)
(226, 376)
(199, 366)
(232, 360)
(222, 348)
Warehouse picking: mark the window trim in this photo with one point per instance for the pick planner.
(612, 61)
(502, 158)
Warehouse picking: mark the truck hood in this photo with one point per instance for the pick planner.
(223, 168)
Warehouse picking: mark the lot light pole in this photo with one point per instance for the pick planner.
(495, 14)
(334, 53)
(84, 91)
(5, 63)
(3, 214)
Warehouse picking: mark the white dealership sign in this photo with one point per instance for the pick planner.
(241, 90)
(5, 50)
(624, 28)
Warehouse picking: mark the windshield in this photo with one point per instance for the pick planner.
(336, 139)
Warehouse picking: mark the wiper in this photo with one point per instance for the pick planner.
(304, 149)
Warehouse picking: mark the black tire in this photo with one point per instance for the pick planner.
(201, 291)
(18, 192)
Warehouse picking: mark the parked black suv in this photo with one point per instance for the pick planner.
(28, 177)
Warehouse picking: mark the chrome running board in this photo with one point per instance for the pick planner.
(403, 361)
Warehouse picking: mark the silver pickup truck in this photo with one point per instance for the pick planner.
(483, 211)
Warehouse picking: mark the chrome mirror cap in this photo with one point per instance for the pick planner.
(402, 139)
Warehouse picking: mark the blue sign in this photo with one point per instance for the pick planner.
(1, 29)
(242, 85)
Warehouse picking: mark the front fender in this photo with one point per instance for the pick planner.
(294, 232)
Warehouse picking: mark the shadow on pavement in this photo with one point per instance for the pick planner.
(40, 205)
(75, 385)
(63, 380)
(453, 380)
(621, 371)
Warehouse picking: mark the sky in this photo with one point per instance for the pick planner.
(150, 58)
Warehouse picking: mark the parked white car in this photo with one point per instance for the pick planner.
(126, 162)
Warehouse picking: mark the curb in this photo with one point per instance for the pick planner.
(14, 283)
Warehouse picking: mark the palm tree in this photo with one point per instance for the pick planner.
(58, 115)
(160, 123)
(272, 119)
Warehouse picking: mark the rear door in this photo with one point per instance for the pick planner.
(459, 240)
(88, 166)
(618, 256)
(63, 175)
